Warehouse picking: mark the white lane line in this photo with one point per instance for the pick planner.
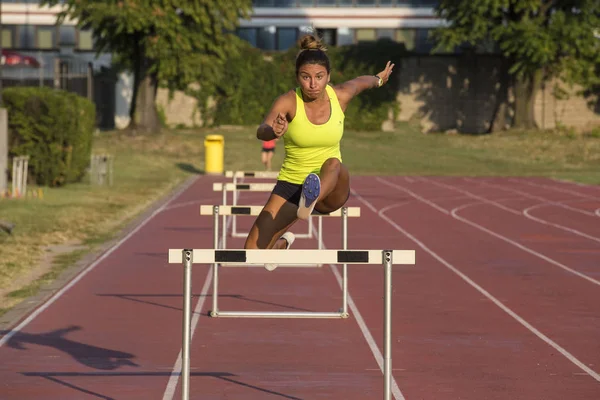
(520, 246)
(576, 183)
(454, 213)
(364, 329)
(84, 272)
(524, 213)
(484, 292)
(573, 192)
(532, 196)
(176, 371)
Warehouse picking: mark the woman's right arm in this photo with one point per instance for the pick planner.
(276, 121)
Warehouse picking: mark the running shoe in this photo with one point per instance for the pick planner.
(311, 188)
(289, 237)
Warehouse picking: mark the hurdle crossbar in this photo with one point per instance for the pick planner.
(251, 187)
(251, 174)
(216, 210)
(387, 258)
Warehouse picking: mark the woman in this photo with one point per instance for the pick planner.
(266, 153)
(311, 121)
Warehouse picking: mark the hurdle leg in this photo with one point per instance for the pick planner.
(310, 226)
(234, 217)
(215, 308)
(187, 297)
(387, 338)
(224, 239)
(345, 266)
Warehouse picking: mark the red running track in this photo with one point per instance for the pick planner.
(503, 304)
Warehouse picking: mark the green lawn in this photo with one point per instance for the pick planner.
(148, 167)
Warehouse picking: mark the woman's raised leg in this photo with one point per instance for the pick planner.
(274, 220)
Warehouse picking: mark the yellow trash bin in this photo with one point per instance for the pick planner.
(213, 154)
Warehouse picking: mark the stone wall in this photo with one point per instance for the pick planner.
(450, 92)
(443, 93)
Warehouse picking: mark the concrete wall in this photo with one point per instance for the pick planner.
(450, 92)
(442, 92)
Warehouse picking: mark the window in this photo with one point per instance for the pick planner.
(328, 36)
(366, 35)
(366, 3)
(422, 42)
(85, 40)
(266, 38)
(407, 37)
(8, 37)
(386, 3)
(345, 2)
(45, 37)
(263, 3)
(286, 38)
(66, 35)
(249, 35)
(306, 3)
(25, 37)
(386, 34)
(345, 36)
(326, 2)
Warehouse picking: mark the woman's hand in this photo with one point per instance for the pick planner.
(385, 74)
(280, 125)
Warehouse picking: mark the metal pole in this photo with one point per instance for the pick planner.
(310, 226)
(187, 297)
(234, 195)
(215, 307)
(320, 234)
(224, 240)
(387, 338)
(345, 266)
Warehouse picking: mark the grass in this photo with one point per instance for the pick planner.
(148, 167)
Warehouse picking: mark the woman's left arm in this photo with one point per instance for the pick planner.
(349, 89)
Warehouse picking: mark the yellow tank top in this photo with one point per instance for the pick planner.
(307, 145)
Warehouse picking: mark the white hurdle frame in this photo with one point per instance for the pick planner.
(216, 210)
(251, 187)
(188, 257)
(249, 174)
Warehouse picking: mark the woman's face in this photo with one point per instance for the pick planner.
(313, 79)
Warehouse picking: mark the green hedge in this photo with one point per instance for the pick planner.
(54, 128)
(253, 79)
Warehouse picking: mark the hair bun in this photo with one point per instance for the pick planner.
(310, 42)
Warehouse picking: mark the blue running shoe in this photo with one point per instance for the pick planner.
(311, 188)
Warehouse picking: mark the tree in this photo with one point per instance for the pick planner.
(539, 39)
(171, 43)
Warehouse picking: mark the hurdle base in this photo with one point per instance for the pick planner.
(277, 314)
(233, 265)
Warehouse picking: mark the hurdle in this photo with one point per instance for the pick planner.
(215, 211)
(252, 187)
(250, 174)
(189, 257)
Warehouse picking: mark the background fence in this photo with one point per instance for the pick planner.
(71, 74)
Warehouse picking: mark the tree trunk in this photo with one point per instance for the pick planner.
(499, 118)
(525, 89)
(144, 114)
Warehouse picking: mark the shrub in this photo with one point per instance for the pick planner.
(54, 128)
(253, 79)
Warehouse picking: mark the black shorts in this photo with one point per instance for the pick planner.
(268, 150)
(291, 192)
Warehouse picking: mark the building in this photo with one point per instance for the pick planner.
(277, 24)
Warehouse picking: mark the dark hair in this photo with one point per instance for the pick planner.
(312, 51)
